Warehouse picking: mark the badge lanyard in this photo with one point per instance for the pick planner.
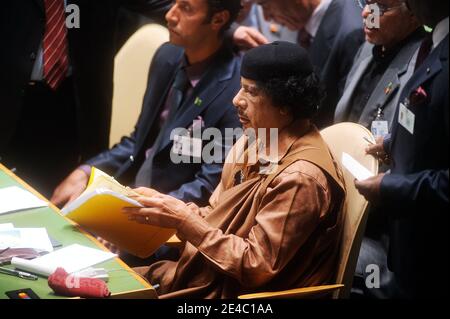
(379, 127)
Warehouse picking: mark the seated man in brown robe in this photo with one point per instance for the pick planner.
(273, 223)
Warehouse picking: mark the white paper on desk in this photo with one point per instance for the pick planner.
(355, 168)
(7, 226)
(36, 238)
(72, 258)
(15, 198)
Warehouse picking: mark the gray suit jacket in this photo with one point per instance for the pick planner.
(396, 76)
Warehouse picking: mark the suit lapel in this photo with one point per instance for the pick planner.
(391, 82)
(160, 93)
(344, 103)
(386, 88)
(431, 67)
(323, 41)
(210, 86)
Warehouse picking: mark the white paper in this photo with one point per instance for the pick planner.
(99, 191)
(355, 168)
(36, 238)
(10, 239)
(72, 258)
(15, 198)
(7, 226)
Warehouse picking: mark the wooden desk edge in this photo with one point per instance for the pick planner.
(93, 239)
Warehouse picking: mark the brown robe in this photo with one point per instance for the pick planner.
(266, 232)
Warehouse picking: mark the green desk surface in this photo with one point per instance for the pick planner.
(121, 278)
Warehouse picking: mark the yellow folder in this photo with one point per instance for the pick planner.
(98, 210)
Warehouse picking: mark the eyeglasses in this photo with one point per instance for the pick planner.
(383, 8)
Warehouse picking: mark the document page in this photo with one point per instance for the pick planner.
(15, 199)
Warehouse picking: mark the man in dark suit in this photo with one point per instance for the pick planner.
(199, 65)
(331, 30)
(56, 83)
(415, 194)
(382, 67)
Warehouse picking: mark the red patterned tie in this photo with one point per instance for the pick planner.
(56, 60)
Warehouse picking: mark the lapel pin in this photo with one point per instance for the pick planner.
(388, 89)
(198, 101)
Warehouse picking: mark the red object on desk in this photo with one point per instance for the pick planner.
(66, 285)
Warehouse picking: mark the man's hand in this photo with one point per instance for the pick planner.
(147, 192)
(70, 188)
(248, 38)
(161, 210)
(378, 151)
(370, 188)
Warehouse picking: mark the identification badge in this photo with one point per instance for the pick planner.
(187, 146)
(406, 118)
(380, 128)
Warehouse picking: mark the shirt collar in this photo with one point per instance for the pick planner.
(195, 71)
(316, 19)
(440, 32)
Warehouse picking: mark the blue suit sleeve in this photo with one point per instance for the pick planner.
(428, 187)
(111, 160)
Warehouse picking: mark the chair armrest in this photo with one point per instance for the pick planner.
(174, 242)
(306, 292)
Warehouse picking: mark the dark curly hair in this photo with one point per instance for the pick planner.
(302, 95)
(232, 6)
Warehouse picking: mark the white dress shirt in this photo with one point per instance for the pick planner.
(316, 19)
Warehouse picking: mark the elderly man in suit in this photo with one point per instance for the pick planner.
(56, 83)
(382, 67)
(194, 77)
(415, 195)
(331, 31)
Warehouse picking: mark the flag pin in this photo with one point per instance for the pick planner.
(198, 101)
(388, 89)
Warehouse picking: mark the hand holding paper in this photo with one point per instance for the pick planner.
(99, 210)
(355, 168)
(159, 209)
(370, 188)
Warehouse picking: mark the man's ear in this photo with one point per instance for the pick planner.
(220, 19)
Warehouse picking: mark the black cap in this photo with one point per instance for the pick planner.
(276, 60)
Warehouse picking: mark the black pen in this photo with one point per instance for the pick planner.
(368, 141)
(20, 274)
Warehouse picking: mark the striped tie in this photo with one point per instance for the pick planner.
(56, 63)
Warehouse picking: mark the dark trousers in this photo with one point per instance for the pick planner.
(163, 253)
(45, 146)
